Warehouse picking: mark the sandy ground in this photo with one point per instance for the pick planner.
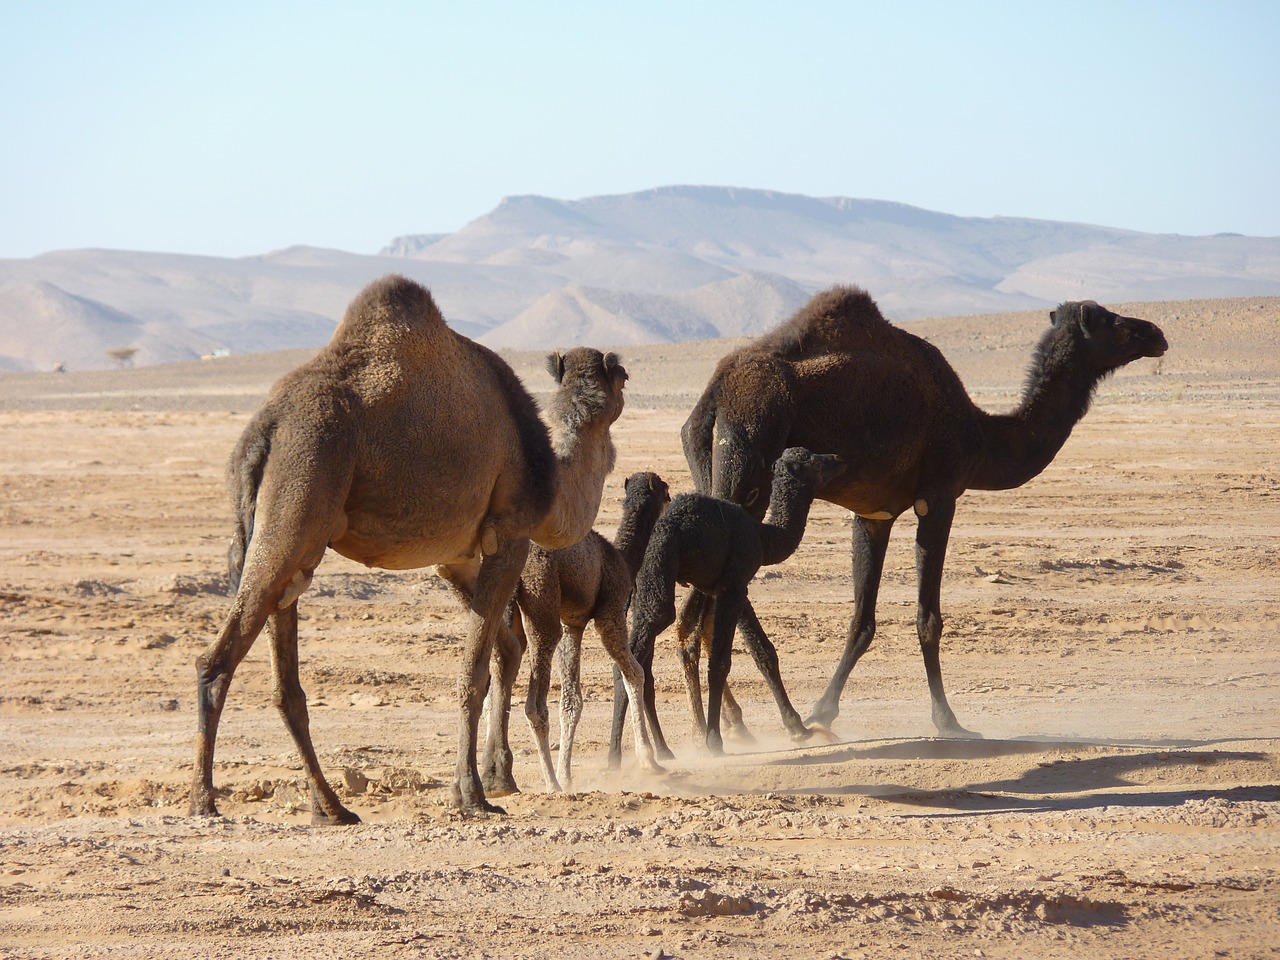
(1111, 629)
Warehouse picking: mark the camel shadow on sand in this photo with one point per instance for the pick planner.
(1069, 775)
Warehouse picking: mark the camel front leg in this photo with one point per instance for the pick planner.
(727, 611)
(870, 543)
(931, 551)
(291, 701)
(496, 768)
(695, 627)
(494, 586)
(731, 716)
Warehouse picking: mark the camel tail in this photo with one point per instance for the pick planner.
(244, 476)
(697, 435)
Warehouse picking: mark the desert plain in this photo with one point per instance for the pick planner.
(1111, 630)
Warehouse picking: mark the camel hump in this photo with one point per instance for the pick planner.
(838, 317)
(390, 308)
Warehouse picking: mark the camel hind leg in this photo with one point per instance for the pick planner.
(544, 637)
(570, 660)
(259, 599)
(691, 632)
(728, 608)
(653, 606)
(291, 701)
(931, 551)
(214, 670)
(869, 544)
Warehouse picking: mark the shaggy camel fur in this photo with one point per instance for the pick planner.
(838, 378)
(716, 547)
(588, 582)
(372, 449)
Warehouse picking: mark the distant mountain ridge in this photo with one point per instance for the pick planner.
(662, 265)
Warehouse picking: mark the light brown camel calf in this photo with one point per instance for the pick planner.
(589, 582)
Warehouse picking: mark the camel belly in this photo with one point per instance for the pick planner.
(874, 501)
(405, 553)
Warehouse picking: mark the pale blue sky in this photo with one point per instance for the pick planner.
(236, 128)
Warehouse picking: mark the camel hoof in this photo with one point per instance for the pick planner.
(957, 732)
(743, 736)
(501, 786)
(664, 753)
(483, 807)
(471, 804)
(655, 769)
(343, 818)
(821, 717)
(823, 733)
(203, 805)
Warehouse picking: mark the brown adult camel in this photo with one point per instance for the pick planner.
(401, 444)
(589, 582)
(838, 378)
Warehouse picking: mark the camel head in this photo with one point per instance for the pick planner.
(809, 471)
(645, 486)
(591, 385)
(1110, 340)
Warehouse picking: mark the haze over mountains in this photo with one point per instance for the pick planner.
(662, 265)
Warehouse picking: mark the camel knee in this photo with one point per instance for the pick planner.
(294, 588)
(571, 700)
(288, 696)
(861, 633)
(929, 628)
(538, 716)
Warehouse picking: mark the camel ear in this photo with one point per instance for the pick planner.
(1093, 317)
(613, 365)
(555, 366)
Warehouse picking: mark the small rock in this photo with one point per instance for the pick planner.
(356, 781)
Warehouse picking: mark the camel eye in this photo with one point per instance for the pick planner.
(752, 496)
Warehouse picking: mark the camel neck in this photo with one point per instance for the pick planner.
(632, 538)
(783, 530)
(1020, 444)
(583, 461)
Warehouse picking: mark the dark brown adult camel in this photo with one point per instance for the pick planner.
(401, 444)
(838, 378)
